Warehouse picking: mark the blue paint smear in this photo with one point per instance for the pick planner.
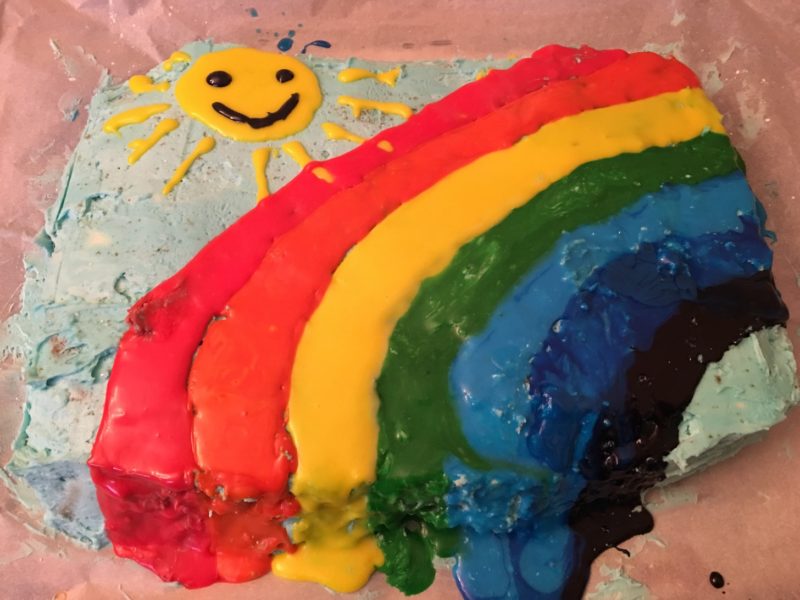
(253, 12)
(617, 310)
(285, 44)
(317, 43)
(488, 377)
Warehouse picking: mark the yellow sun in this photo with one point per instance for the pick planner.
(248, 96)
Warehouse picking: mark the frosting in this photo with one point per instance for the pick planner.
(500, 256)
(355, 74)
(297, 152)
(170, 457)
(295, 245)
(260, 158)
(493, 365)
(728, 407)
(140, 146)
(357, 105)
(110, 237)
(142, 84)
(417, 309)
(206, 144)
(337, 132)
(370, 289)
(179, 56)
(133, 116)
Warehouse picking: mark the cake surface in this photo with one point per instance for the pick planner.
(639, 212)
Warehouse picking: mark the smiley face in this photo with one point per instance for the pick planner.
(249, 95)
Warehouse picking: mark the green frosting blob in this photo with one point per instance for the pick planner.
(419, 427)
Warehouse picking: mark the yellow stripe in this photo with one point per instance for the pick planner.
(332, 407)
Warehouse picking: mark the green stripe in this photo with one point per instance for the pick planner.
(419, 426)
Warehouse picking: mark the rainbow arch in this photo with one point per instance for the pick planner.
(386, 363)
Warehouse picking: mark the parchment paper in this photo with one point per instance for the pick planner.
(741, 518)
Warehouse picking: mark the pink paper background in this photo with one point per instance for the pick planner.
(745, 521)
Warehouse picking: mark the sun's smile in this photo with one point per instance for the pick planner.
(259, 122)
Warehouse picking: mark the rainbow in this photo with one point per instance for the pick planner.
(451, 348)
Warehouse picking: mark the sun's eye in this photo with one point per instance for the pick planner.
(284, 75)
(219, 79)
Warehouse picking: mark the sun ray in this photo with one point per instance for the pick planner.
(385, 77)
(141, 84)
(260, 158)
(140, 114)
(206, 144)
(141, 145)
(175, 57)
(298, 153)
(359, 104)
(337, 132)
(386, 146)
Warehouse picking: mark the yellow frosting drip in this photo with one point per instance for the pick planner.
(260, 158)
(176, 57)
(337, 132)
(260, 100)
(204, 145)
(344, 342)
(140, 114)
(142, 145)
(341, 562)
(141, 84)
(359, 104)
(386, 146)
(297, 152)
(386, 77)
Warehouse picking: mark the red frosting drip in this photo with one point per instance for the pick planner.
(143, 462)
